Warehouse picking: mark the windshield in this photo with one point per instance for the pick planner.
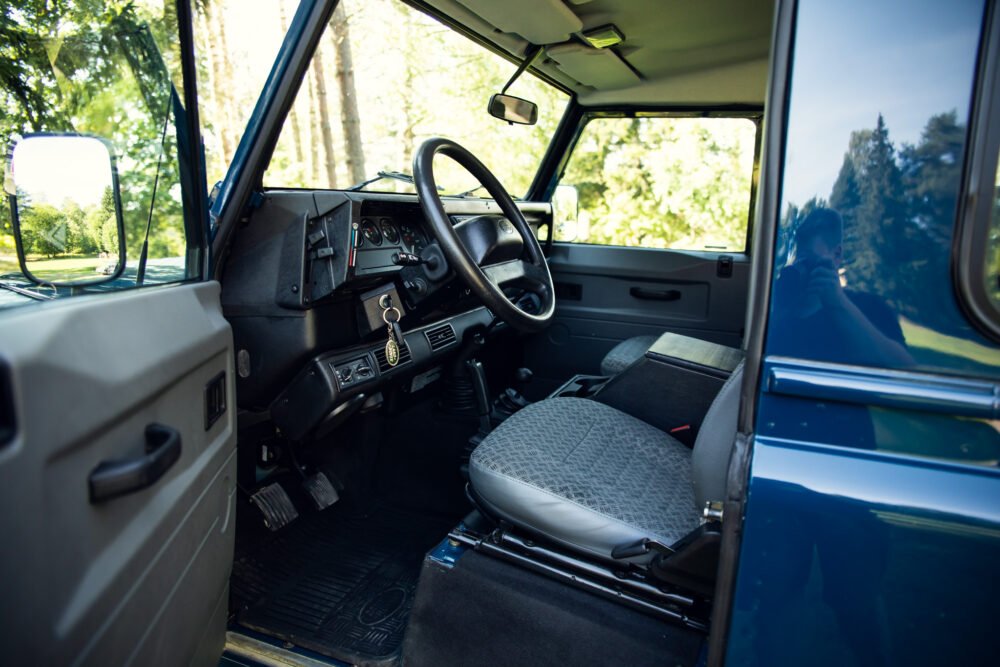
(385, 78)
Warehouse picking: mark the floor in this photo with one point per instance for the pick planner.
(341, 582)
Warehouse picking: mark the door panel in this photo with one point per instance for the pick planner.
(142, 578)
(606, 294)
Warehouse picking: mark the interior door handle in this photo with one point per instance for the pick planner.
(655, 294)
(111, 479)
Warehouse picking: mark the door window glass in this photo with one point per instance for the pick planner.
(662, 182)
(112, 75)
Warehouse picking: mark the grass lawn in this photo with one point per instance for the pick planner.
(929, 346)
(57, 269)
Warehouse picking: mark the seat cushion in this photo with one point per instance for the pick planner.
(625, 353)
(586, 475)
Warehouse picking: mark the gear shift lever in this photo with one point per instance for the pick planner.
(512, 400)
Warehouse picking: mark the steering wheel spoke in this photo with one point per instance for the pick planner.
(486, 282)
(514, 272)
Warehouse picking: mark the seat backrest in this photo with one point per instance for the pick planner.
(714, 445)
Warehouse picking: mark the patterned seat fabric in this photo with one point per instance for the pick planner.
(625, 353)
(586, 475)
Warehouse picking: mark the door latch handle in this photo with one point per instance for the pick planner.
(111, 479)
(655, 294)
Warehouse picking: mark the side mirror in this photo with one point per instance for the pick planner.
(66, 209)
(513, 109)
(566, 213)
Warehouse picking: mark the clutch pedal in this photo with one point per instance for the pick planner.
(274, 503)
(321, 490)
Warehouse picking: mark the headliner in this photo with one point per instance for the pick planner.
(676, 52)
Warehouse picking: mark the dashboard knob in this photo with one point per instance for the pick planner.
(417, 285)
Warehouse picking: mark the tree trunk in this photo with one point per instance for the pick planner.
(293, 116)
(349, 118)
(217, 55)
(326, 129)
(409, 120)
(314, 159)
(233, 128)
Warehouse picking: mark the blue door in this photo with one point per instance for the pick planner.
(872, 521)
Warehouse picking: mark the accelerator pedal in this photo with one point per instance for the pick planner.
(321, 490)
(274, 503)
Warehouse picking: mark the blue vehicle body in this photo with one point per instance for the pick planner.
(871, 532)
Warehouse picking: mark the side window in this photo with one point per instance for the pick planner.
(92, 109)
(661, 182)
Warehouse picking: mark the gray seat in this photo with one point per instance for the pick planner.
(593, 478)
(625, 353)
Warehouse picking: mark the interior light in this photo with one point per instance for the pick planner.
(604, 36)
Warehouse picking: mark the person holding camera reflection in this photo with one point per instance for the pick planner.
(817, 318)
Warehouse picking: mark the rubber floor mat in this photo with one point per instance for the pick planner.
(338, 583)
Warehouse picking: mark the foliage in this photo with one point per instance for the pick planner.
(94, 67)
(415, 78)
(662, 182)
(90, 231)
(899, 207)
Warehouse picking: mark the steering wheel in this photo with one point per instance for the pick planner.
(486, 282)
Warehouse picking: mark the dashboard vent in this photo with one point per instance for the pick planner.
(383, 366)
(440, 337)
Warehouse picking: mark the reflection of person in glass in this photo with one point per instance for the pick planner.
(817, 318)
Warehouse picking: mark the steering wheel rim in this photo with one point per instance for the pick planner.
(485, 282)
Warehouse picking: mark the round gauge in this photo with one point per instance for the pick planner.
(409, 238)
(388, 230)
(371, 232)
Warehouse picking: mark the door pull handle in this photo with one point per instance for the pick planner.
(119, 477)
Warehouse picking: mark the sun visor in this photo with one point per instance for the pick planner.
(599, 68)
(538, 21)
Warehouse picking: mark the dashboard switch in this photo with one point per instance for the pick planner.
(417, 285)
(353, 372)
(407, 259)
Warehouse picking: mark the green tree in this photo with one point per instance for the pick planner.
(868, 194)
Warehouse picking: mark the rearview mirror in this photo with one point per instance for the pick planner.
(66, 209)
(513, 109)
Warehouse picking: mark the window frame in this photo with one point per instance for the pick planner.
(976, 204)
(556, 161)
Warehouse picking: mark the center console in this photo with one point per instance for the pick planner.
(671, 387)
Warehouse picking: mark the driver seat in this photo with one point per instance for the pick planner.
(594, 479)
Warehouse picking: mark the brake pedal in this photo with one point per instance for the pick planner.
(274, 503)
(321, 490)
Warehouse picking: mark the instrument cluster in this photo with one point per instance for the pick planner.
(379, 231)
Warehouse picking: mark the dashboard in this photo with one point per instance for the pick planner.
(306, 281)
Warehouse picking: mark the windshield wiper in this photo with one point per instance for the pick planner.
(469, 192)
(394, 175)
(25, 292)
(480, 187)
